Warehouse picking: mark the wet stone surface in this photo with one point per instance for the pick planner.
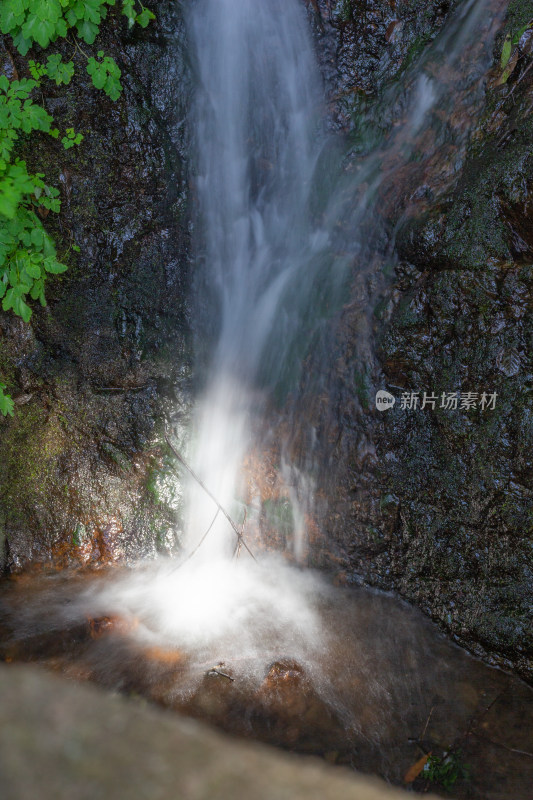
(93, 373)
(385, 688)
(436, 503)
(363, 47)
(88, 743)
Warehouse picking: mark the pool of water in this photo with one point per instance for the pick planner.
(278, 654)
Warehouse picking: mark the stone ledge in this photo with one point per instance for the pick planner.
(60, 740)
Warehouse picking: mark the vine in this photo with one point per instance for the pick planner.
(27, 252)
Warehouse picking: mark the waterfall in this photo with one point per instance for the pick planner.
(277, 239)
(257, 119)
(282, 239)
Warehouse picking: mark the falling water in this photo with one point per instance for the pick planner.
(276, 238)
(256, 123)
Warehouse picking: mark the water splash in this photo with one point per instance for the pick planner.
(205, 608)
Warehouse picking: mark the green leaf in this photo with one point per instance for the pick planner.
(33, 271)
(21, 309)
(11, 15)
(87, 31)
(21, 43)
(128, 9)
(37, 70)
(37, 289)
(46, 9)
(35, 118)
(39, 30)
(518, 35)
(53, 266)
(7, 302)
(94, 11)
(27, 252)
(506, 51)
(105, 75)
(100, 79)
(6, 403)
(37, 238)
(58, 70)
(144, 17)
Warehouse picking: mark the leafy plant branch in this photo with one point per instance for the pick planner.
(27, 252)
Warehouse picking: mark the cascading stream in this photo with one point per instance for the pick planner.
(276, 240)
(256, 118)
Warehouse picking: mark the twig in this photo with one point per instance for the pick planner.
(121, 388)
(215, 671)
(200, 543)
(237, 550)
(471, 731)
(476, 719)
(427, 723)
(500, 744)
(76, 45)
(209, 494)
(523, 75)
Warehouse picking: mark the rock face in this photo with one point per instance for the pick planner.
(82, 470)
(59, 740)
(437, 503)
(364, 46)
(433, 503)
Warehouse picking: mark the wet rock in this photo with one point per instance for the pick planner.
(457, 540)
(365, 46)
(95, 370)
(59, 740)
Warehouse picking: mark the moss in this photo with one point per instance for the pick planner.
(279, 515)
(80, 535)
(363, 387)
(30, 453)
(162, 484)
(415, 49)
(7, 367)
(117, 456)
(347, 10)
(519, 13)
